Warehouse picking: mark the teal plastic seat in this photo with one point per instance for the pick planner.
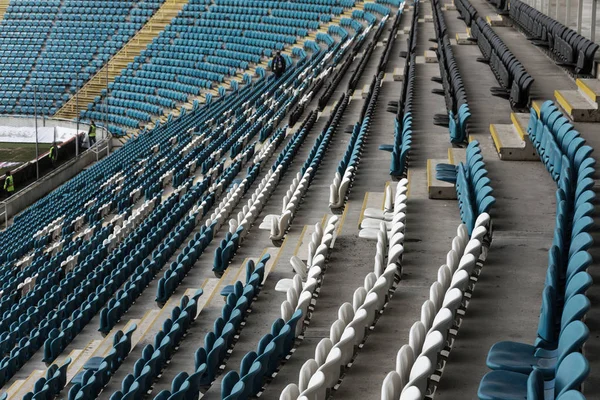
(523, 358)
(508, 385)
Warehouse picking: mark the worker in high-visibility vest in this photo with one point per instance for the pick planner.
(53, 154)
(9, 183)
(92, 133)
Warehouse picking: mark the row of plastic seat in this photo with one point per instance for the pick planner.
(346, 170)
(154, 357)
(364, 60)
(473, 188)
(97, 371)
(454, 91)
(333, 354)
(432, 337)
(569, 47)
(509, 72)
(299, 186)
(209, 357)
(403, 122)
(553, 367)
(50, 386)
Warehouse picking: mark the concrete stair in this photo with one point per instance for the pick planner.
(3, 6)
(582, 105)
(512, 141)
(126, 55)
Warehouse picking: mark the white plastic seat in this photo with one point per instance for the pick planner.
(388, 199)
(474, 248)
(359, 325)
(346, 313)
(460, 280)
(346, 345)
(467, 263)
(442, 322)
(307, 370)
(303, 304)
(419, 374)
(280, 225)
(483, 220)
(395, 252)
(286, 310)
(434, 343)
(410, 393)
(436, 294)
(391, 387)
(428, 312)
(299, 267)
(290, 392)
(369, 281)
(452, 259)
(360, 294)
(381, 289)
(404, 362)
(292, 296)
(453, 299)
(336, 330)
(323, 348)
(375, 213)
(370, 306)
(331, 367)
(316, 389)
(416, 336)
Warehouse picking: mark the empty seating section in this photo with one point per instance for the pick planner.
(155, 357)
(514, 80)
(94, 252)
(347, 166)
(350, 330)
(421, 362)
(203, 49)
(553, 367)
(23, 32)
(403, 123)
(569, 47)
(453, 87)
(473, 188)
(97, 371)
(80, 39)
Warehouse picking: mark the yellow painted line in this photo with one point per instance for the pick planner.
(408, 176)
(429, 177)
(469, 31)
(240, 269)
(343, 219)
(517, 124)
(217, 287)
(470, 139)
(384, 192)
(364, 207)
(300, 240)
(323, 221)
(450, 155)
(276, 260)
(586, 89)
(536, 106)
(563, 102)
(495, 138)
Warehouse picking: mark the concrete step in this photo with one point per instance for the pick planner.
(577, 105)
(19, 389)
(497, 20)
(512, 141)
(438, 189)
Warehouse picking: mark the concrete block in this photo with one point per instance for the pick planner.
(437, 189)
(510, 144)
(365, 91)
(497, 20)
(428, 18)
(430, 56)
(464, 38)
(398, 73)
(577, 105)
(449, 7)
